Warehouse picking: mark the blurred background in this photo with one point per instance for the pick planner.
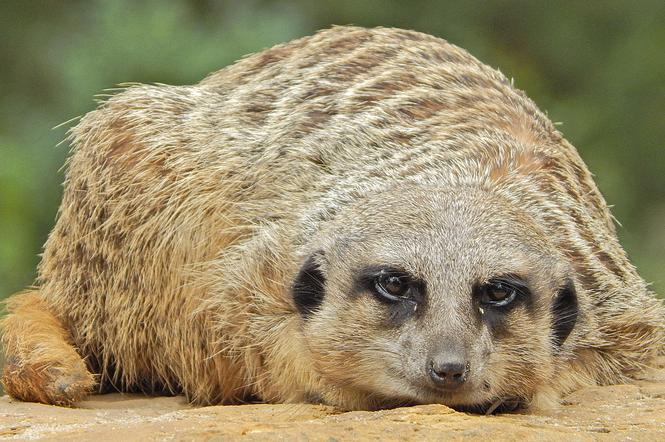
(597, 66)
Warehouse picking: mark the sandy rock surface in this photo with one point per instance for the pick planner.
(619, 412)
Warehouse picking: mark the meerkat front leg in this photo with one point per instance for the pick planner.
(41, 364)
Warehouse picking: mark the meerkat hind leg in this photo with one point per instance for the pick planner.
(41, 364)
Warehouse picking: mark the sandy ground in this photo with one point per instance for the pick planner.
(620, 412)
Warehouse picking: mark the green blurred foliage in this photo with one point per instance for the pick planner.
(597, 66)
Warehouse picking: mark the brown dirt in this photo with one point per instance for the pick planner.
(619, 412)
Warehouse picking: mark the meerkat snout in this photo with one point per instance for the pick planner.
(448, 370)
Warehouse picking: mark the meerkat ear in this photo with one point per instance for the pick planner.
(564, 312)
(308, 288)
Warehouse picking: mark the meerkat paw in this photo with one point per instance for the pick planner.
(41, 364)
(49, 385)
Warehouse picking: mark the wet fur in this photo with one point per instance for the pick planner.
(187, 213)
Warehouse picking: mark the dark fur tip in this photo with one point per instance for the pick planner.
(564, 312)
(309, 286)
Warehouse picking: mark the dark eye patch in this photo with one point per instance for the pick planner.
(401, 293)
(564, 313)
(308, 289)
(394, 288)
(502, 293)
(398, 284)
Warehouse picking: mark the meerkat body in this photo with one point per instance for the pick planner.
(218, 240)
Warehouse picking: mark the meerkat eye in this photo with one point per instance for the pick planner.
(393, 287)
(499, 292)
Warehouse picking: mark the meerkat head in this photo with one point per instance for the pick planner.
(424, 295)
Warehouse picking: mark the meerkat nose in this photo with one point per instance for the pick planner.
(448, 372)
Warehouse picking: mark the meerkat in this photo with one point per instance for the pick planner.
(365, 218)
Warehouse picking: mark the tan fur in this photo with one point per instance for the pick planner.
(188, 211)
(42, 365)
